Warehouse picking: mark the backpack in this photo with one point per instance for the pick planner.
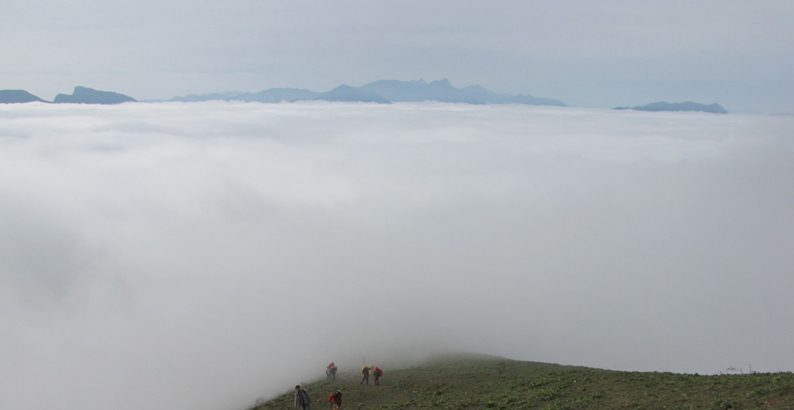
(336, 397)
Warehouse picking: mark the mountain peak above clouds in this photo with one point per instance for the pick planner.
(443, 91)
(442, 83)
(352, 94)
(684, 106)
(85, 95)
(17, 96)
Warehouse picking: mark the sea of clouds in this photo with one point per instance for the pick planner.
(198, 256)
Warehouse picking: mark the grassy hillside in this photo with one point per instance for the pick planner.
(493, 383)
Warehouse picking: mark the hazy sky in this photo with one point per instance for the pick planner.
(198, 256)
(590, 54)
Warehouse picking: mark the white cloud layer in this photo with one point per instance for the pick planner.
(197, 256)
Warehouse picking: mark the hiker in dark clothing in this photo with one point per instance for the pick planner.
(378, 373)
(302, 399)
(365, 372)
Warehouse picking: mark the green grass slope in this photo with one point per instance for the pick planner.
(493, 383)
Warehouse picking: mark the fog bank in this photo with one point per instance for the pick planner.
(198, 256)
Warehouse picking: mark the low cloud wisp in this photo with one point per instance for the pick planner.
(198, 256)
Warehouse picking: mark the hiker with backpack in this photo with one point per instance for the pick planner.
(335, 399)
(378, 373)
(365, 373)
(302, 399)
(330, 372)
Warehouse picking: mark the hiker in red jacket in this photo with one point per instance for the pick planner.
(335, 399)
(330, 372)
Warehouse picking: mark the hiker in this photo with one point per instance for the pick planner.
(330, 371)
(335, 399)
(378, 374)
(302, 398)
(365, 372)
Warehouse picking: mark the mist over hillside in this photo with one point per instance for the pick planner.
(195, 256)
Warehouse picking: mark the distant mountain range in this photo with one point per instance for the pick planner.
(382, 92)
(443, 91)
(684, 106)
(272, 95)
(81, 95)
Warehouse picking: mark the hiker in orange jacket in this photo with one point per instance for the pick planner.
(335, 399)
